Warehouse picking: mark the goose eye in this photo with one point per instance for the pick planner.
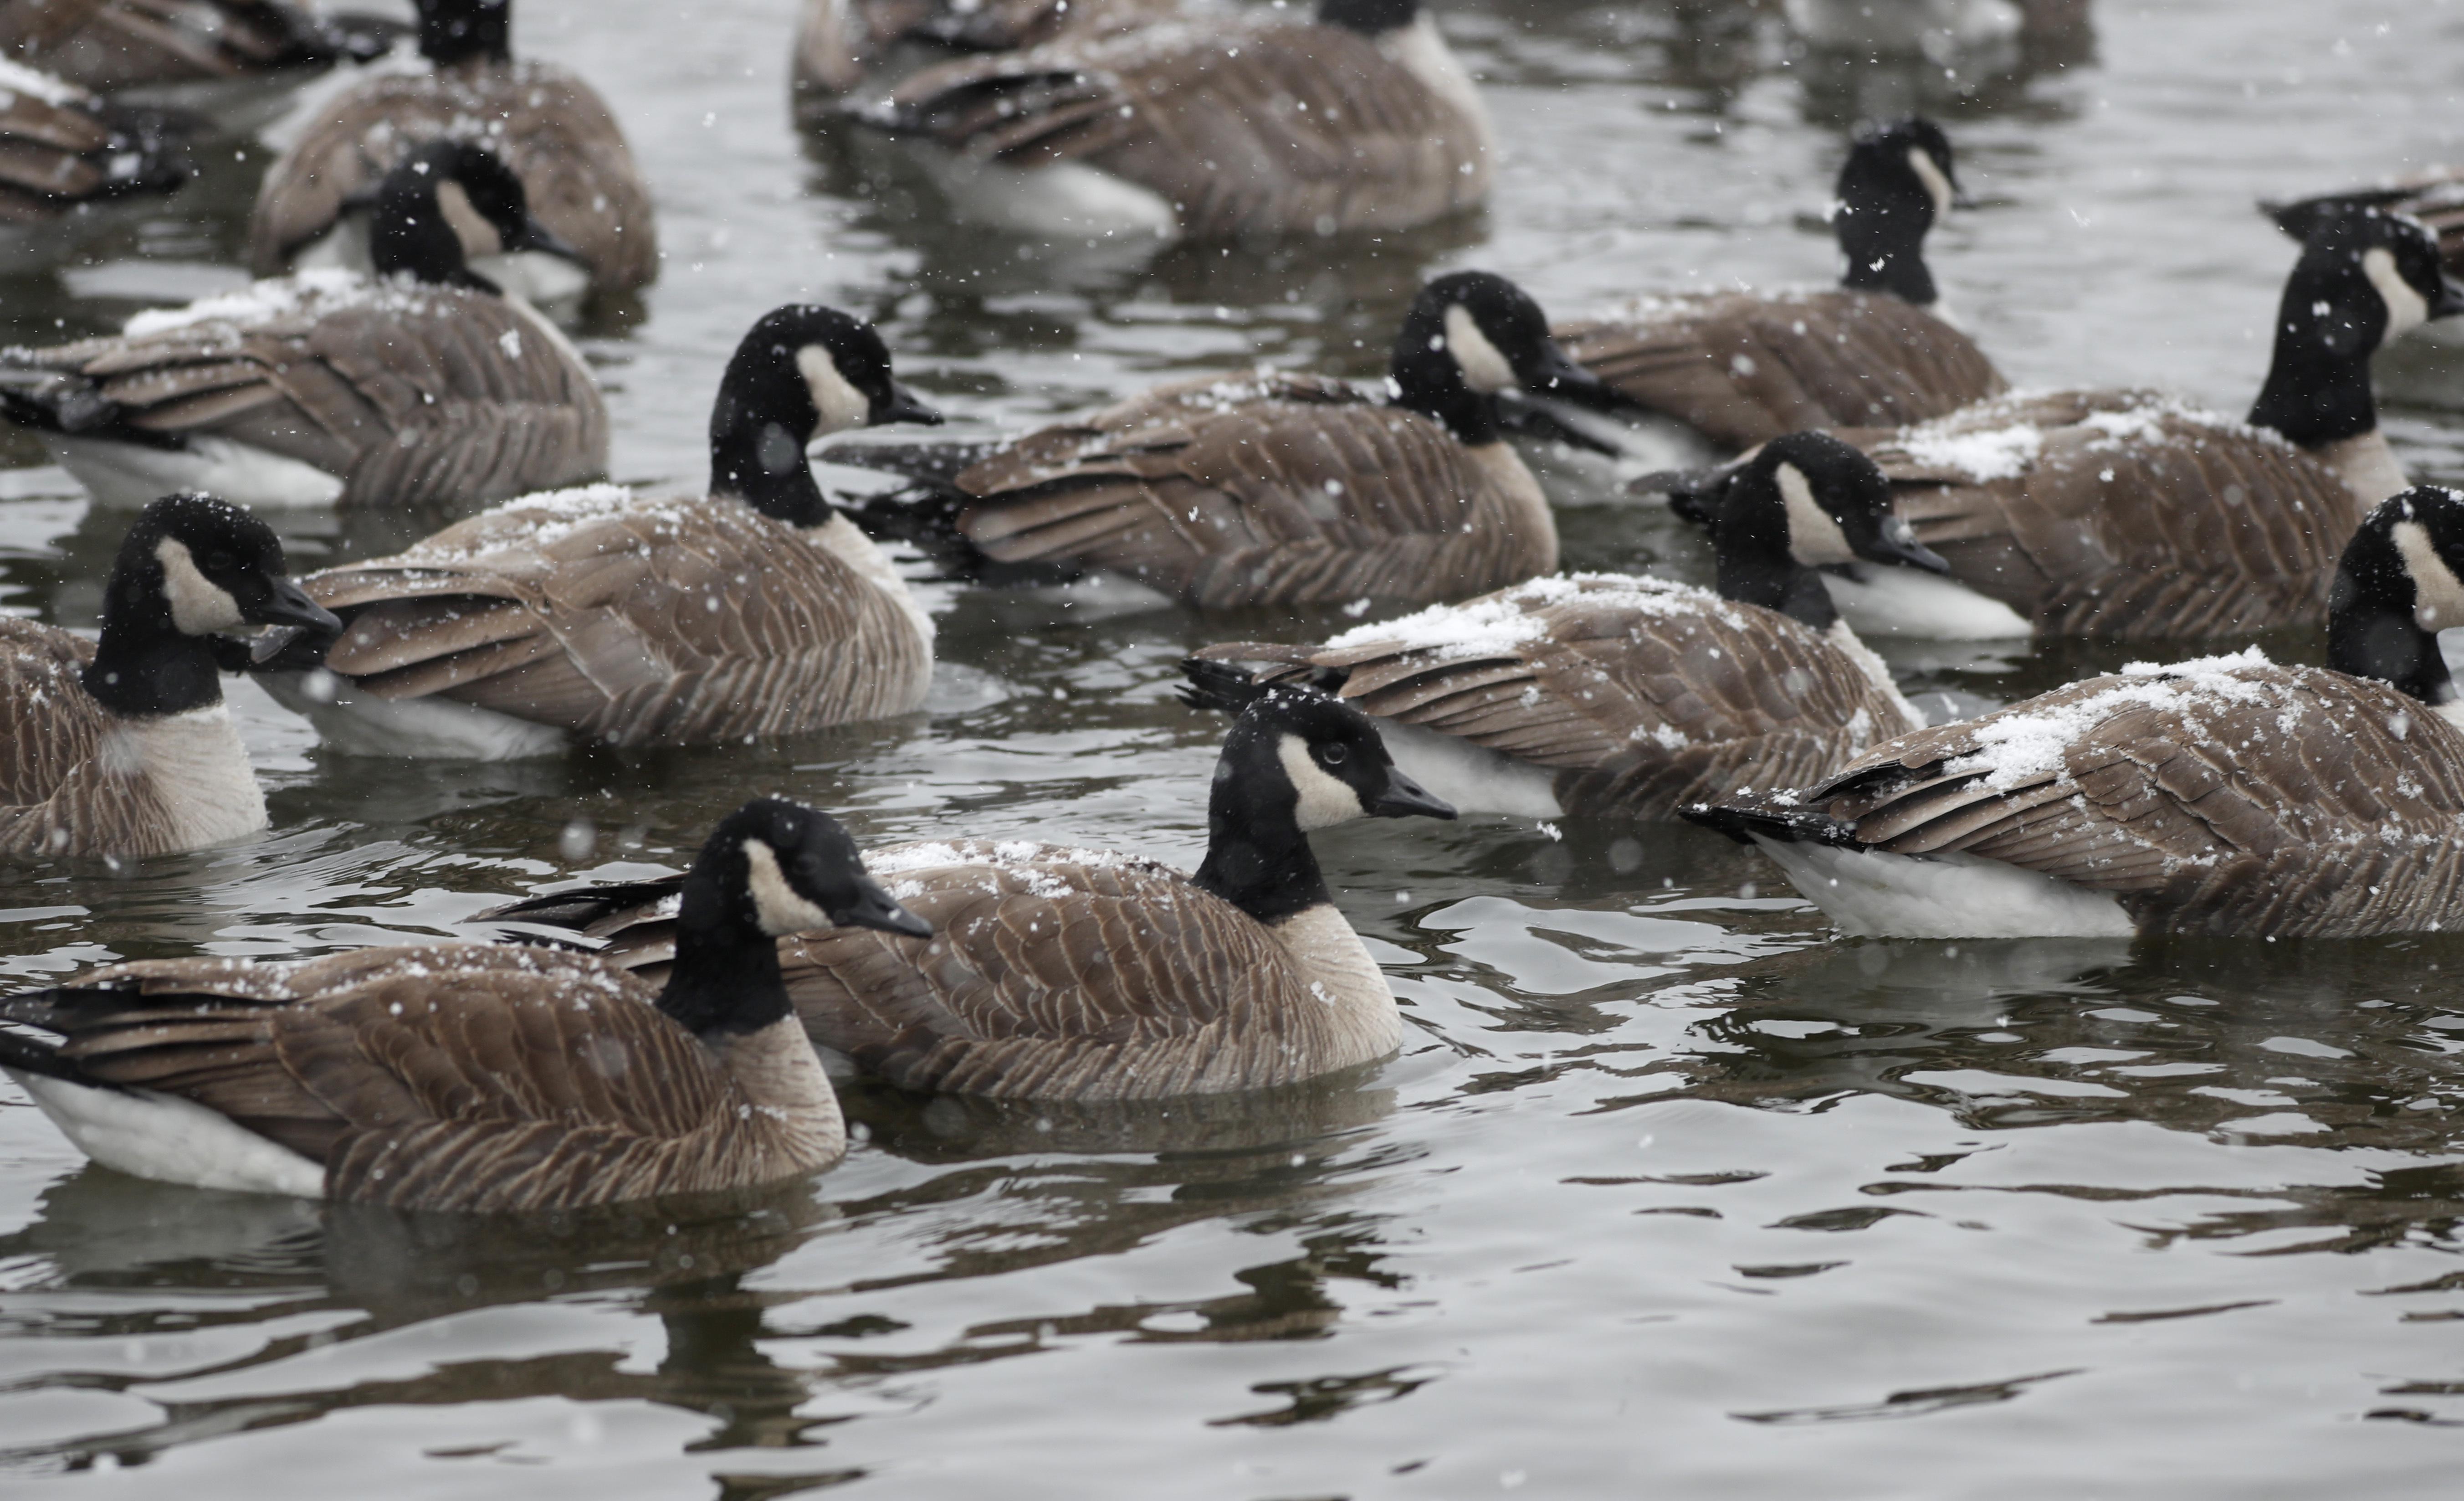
(221, 561)
(1333, 754)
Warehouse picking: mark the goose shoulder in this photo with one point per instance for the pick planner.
(1296, 493)
(464, 1077)
(2123, 513)
(634, 621)
(1639, 694)
(843, 44)
(553, 129)
(1744, 368)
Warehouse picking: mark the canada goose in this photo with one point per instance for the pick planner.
(1743, 368)
(2125, 513)
(1242, 124)
(842, 45)
(556, 133)
(124, 747)
(610, 618)
(231, 59)
(319, 388)
(1612, 694)
(473, 1077)
(2425, 365)
(62, 150)
(1272, 488)
(2227, 796)
(1088, 975)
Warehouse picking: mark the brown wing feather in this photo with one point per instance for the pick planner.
(2300, 801)
(1744, 368)
(62, 791)
(630, 621)
(554, 130)
(2121, 514)
(1642, 696)
(111, 45)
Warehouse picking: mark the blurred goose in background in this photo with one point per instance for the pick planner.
(234, 60)
(1242, 124)
(1973, 36)
(843, 44)
(2228, 796)
(1743, 368)
(124, 747)
(2425, 365)
(1625, 697)
(602, 617)
(473, 1077)
(1081, 974)
(424, 388)
(1272, 488)
(2126, 513)
(553, 129)
(65, 153)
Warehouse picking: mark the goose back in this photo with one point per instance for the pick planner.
(60, 149)
(635, 622)
(1264, 489)
(842, 44)
(113, 45)
(465, 1077)
(550, 127)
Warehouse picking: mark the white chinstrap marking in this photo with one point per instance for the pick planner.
(1813, 536)
(2406, 309)
(841, 404)
(199, 606)
(1936, 182)
(470, 226)
(1325, 799)
(1483, 370)
(779, 907)
(2437, 594)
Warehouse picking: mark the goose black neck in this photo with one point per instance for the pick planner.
(759, 461)
(1885, 242)
(2370, 627)
(726, 979)
(145, 664)
(1367, 17)
(1750, 540)
(2317, 388)
(453, 31)
(408, 234)
(1257, 858)
(1428, 380)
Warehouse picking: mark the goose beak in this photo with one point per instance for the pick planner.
(873, 908)
(2450, 299)
(1406, 798)
(904, 406)
(1556, 374)
(1898, 543)
(291, 606)
(536, 237)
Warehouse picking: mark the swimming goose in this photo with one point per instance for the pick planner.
(2422, 366)
(473, 1077)
(2125, 513)
(1272, 488)
(2228, 796)
(61, 150)
(842, 45)
(1238, 124)
(228, 58)
(608, 618)
(422, 387)
(124, 746)
(1612, 694)
(1743, 368)
(1080, 974)
(556, 133)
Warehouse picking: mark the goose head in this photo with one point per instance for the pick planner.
(1806, 501)
(2400, 583)
(446, 202)
(804, 371)
(1896, 185)
(1473, 338)
(2365, 276)
(192, 567)
(451, 31)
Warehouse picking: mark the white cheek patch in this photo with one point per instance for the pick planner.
(2437, 594)
(1921, 163)
(1484, 369)
(470, 226)
(776, 904)
(2406, 309)
(1813, 537)
(1325, 801)
(199, 606)
(841, 404)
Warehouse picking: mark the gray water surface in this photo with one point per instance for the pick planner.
(1670, 1193)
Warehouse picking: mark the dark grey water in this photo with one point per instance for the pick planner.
(1670, 1192)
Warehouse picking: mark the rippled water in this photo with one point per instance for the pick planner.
(1670, 1192)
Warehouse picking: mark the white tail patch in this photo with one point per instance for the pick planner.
(779, 907)
(1882, 600)
(2437, 594)
(199, 606)
(1484, 369)
(1873, 895)
(170, 1140)
(356, 723)
(1473, 778)
(1326, 799)
(1813, 537)
(132, 476)
(841, 404)
(2406, 308)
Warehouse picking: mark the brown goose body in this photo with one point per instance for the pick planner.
(550, 127)
(2229, 796)
(1633, 695)
(113, 46)
(2123, 512)
(62, 150)
(1743, 368)
(402, 394)
(842, 44)
(1264, 489)
(465, 1077)
(1054, 972)
(1238, 126)
(627, 621)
